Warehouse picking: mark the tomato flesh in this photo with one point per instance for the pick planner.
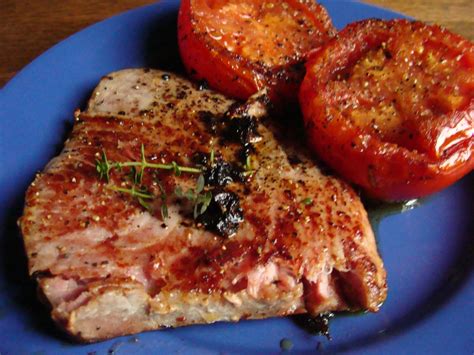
(264, 32)
(390, 106)
(239, 47)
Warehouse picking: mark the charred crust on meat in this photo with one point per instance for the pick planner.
(220, 172)
(224, 214)
(278, 229)
(241, 129)
(210, 120)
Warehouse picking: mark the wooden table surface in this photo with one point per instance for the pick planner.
(29, 27)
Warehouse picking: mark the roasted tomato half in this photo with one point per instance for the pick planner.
(390, 106)
(241, 46)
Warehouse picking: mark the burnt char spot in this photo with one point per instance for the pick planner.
(224, 214)
(241, 129)
(234, 125)
(210, 120)
(222, 173)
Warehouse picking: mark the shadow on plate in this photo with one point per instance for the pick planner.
(20, 289)
(161, 48)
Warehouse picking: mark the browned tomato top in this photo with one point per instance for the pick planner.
(405, 89)
(240, 47)
(390, 105)
(272, 33)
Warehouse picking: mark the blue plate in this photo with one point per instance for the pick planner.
(428, 252)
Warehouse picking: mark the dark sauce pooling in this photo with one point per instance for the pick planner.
(224, 213)
(318, 325)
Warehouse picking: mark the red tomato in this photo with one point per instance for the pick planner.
(390, 106)
(241, 46)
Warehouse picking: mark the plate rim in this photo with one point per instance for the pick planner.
(24, 71)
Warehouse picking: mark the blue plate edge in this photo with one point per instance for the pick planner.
(25, 69)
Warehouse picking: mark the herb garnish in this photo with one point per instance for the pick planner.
(141, 193)
(200, 198)
(248, 166)
(164, 206)
(211, 157)
(104, 166)
(307, 201)
(213, 207)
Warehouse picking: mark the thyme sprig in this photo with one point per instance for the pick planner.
(141, 193)
(200, 198)
(164, 205)
(248, 166)
(105, 166)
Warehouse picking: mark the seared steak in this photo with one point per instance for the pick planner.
(298, 241)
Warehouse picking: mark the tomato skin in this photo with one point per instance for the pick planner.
(217, 66)
(234, 74)
(388, 166)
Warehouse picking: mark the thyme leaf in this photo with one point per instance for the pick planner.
(212, 157)
(141, 194)
(103, 167)
(248, 166)
(201, 199)
(164, 205)
(200, 184)
(144, 204)
(307, 201)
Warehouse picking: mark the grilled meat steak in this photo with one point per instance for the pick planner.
(298, 240)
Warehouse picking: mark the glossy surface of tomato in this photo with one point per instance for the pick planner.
(239, 47)
(390, 106)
